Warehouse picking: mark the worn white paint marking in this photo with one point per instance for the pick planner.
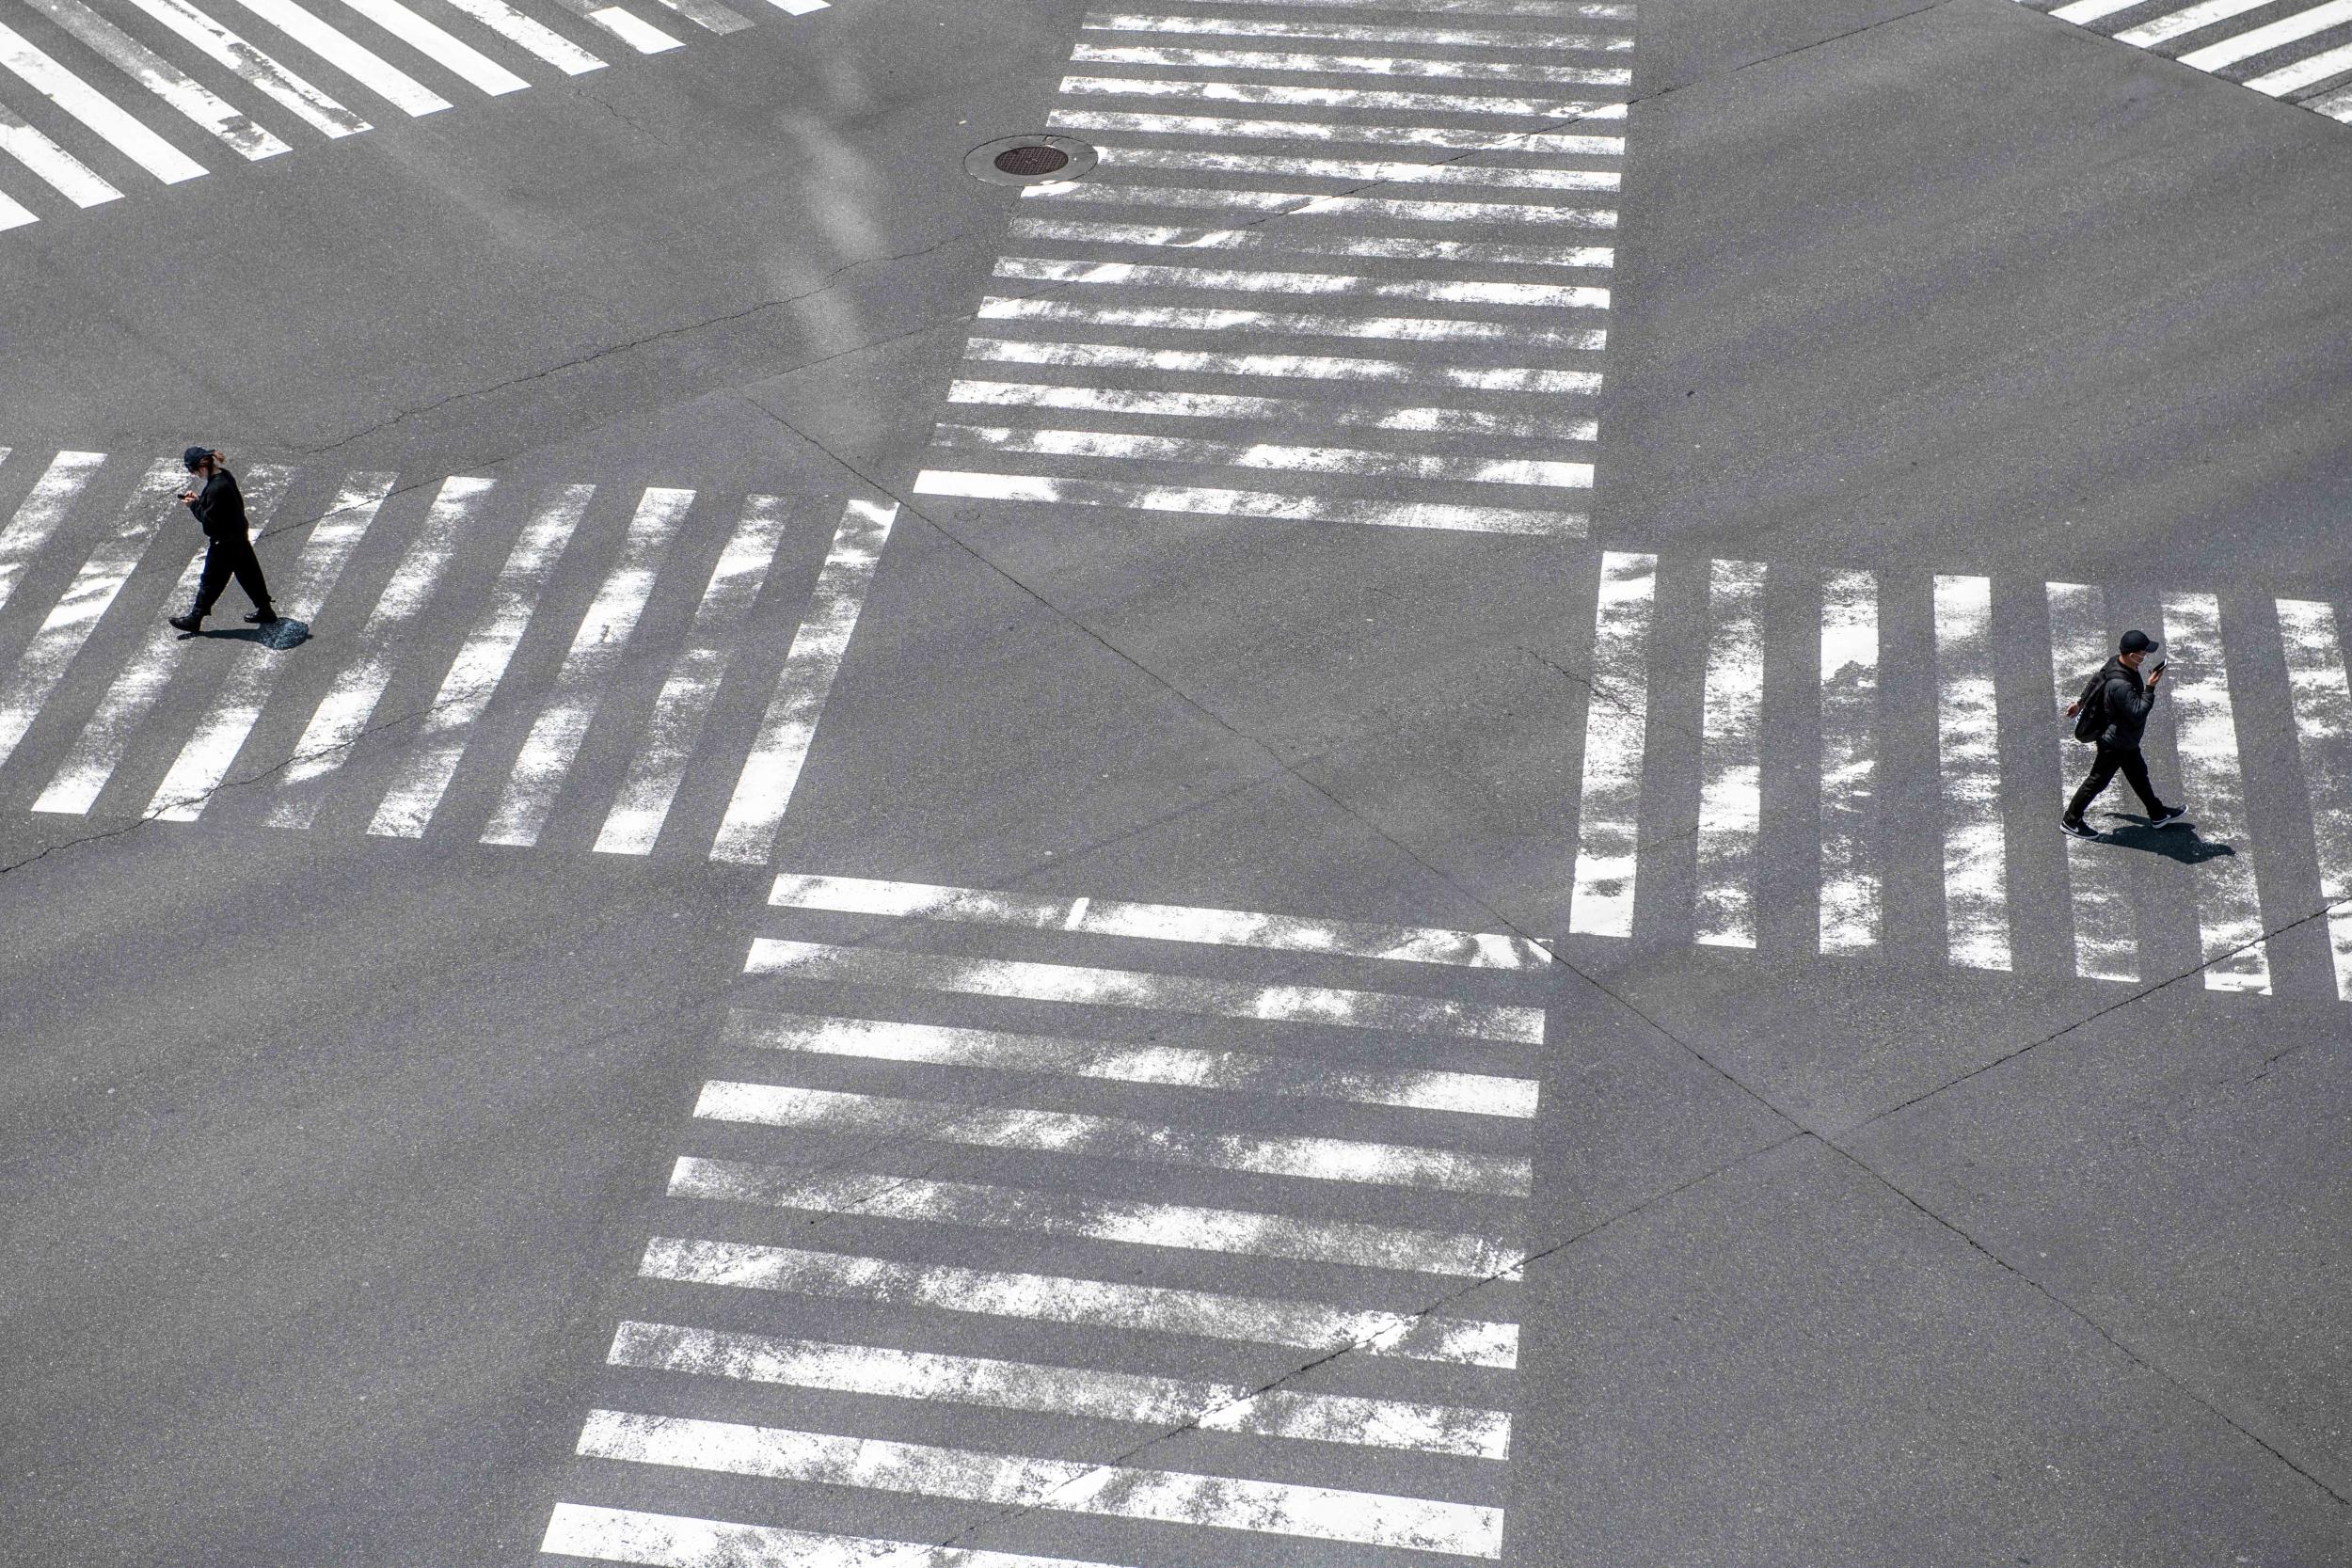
(2303, 73)
(141, 684)
(1088, 1302)
(2336, 106)
(14, 214)
(1608, 813)
(710, 15)
(1221, 128)
(1969, 730)
(1299, 204)
(1228, 280)
(1090, 986)
(211, 751)
(2188, 19)
(1379, 248)
(1204, 501)
(530, 35)
(605, 628)
(67, 628)
(1730, 756)
(1158, 922)
(1269, 93)
(2257, 41)
(1851, 910)
(763, 790)
(1350, 65)
(1308, 460)
(1195, 318)
(801, 8)
(342, 714)
(1167, 1066)
(77, 97)
(2091, 11)
(675, 1540)
(644, 37)
(634, 823)
(1498, 176)
(439, 45)
(1345, 32)
(1112, 1138)
(1014, 1481)
(167, 81)
(480, 664)
(74, 180)
(2229, 906)
(2323, 733)
(1581, 8)
(1086, 1392)
(354, 59)
(290, 91)
(43, 508)
(2107, 931)
(1235, 406)
(1310, 367)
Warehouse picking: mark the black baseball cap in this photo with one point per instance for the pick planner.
(2140, 643)
(197, 455)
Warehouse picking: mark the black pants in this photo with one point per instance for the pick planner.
(2103, 770)
(223, 559)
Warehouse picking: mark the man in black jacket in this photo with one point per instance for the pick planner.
(219, 508)
(2123, 700)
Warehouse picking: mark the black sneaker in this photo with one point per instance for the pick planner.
(2077, 827)
(260, 617)
(189, 623)
(2170, 814)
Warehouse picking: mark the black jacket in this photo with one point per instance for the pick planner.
(219, 507)
(2124, 701)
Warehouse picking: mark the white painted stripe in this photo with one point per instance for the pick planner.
(1439, 291)
(801, 8)
(439, 45)
(673, 1540)
(1013, 1481)
(1472, 37)
(2336, 106)
(1090, 986)
(1969, 730)
(1235, 406)
(1224, 129)
(68, 626)
(1609, 812)
(1089, 1303)
(354, 59)
(291, 92)
(43, 508)
(1730, 756)
(605, 628)
(85, 103)
(773, 770)
(710, 15)
(530, 35)
(1302, 204)
(2303, 73)
(1349, 65)
(1166, 1066)
(1195, 317)
(1203, 500)
(644, 37)
(480, 664)
(658, 765)
(2091, 11)
(159, 76)
(1385, 248)
(1305, 1159)
(74, 180)
(2188, 19)
(2323, 733)
(209, 752)
(1503, 176)
(1583, 8)
(2257, 41)
(2229, 907)
(1311, 459)
(1089, 1393)
(1339, 97)
(1313, 366)
(141, 684)
(2107, 931)
(12, 213)
(342, 714)
(1851, 910)
(1158, 922)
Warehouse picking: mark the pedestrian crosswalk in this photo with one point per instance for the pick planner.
(1393, 234)
(2288, 49)
(700, 606)
(1022, 1230)
(98, 97)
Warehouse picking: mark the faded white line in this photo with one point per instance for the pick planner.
(1296, 460)
(97, 112)
(2229, 906)
(2257, 41)
(1194, 318)
(43, 508)
(1474, 38)
(72, 179)
(1369, 246)
(1235, 406)
(437, 44)
(644, 37)
(1204, 501)
(1850, 912)
(176, 87)
(13, 215)
(710, 15)
(530, 35)
(1730, 756)
(1299, 204)
(677, 1541)
(1341, 98)
(1584, 9)
(1500, 176)
(1969, 730)
(354, 59)
(1223, 128)
(1616, 715)
(1311, 367)
(1349, 65)
(2323, 733)
(2188, 19)
(2303, 73)
(2107, 931)
(1227, 279)
(290, 91)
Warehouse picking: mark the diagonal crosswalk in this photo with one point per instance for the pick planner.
(105, 709)
(1130, 1263)
(2287, 49)
(99, 98)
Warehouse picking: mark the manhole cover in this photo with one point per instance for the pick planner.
(1029, 160)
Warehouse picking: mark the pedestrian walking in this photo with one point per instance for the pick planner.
(219, 508)
(2110, 714)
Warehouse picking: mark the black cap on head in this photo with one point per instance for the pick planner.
(2140, 643)
(197, 455)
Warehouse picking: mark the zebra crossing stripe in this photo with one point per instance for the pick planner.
(710, 15)
(38, 516)
(1238, 454)
(1850, 915)
(2188, 19)
(1218, 501)
(288, 90)
(1370, 247)
(1221, 26)
(167, 81)
(1311, 367)
(530, 35)
(1349, 65)
(1340, 97)
(2323, 730)
(2257, 41)
(1976, 886)
(71, 178)
(2229, 907)
(1227, 128)
(354, 59)
(77, 97)
(13, 213)
(1295, 204)
(1197, 317)
(1434, 291)
(1730, 756)
(673, 1540)
(1489, 176)
(644, 37)
(1237, 406)
(2107, 931)
(1616, 714)
(439, 45)
(1587, 10)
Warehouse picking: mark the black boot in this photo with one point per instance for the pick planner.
(191, 622)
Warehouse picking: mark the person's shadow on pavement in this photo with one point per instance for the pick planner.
(2180, 841)
(284, 632)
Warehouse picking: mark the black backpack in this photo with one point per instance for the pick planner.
(2090, 710)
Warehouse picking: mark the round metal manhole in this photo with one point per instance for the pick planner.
(1029, 160)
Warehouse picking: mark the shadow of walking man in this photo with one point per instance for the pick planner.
(2178, 841)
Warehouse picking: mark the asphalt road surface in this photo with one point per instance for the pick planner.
(1335, 847)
